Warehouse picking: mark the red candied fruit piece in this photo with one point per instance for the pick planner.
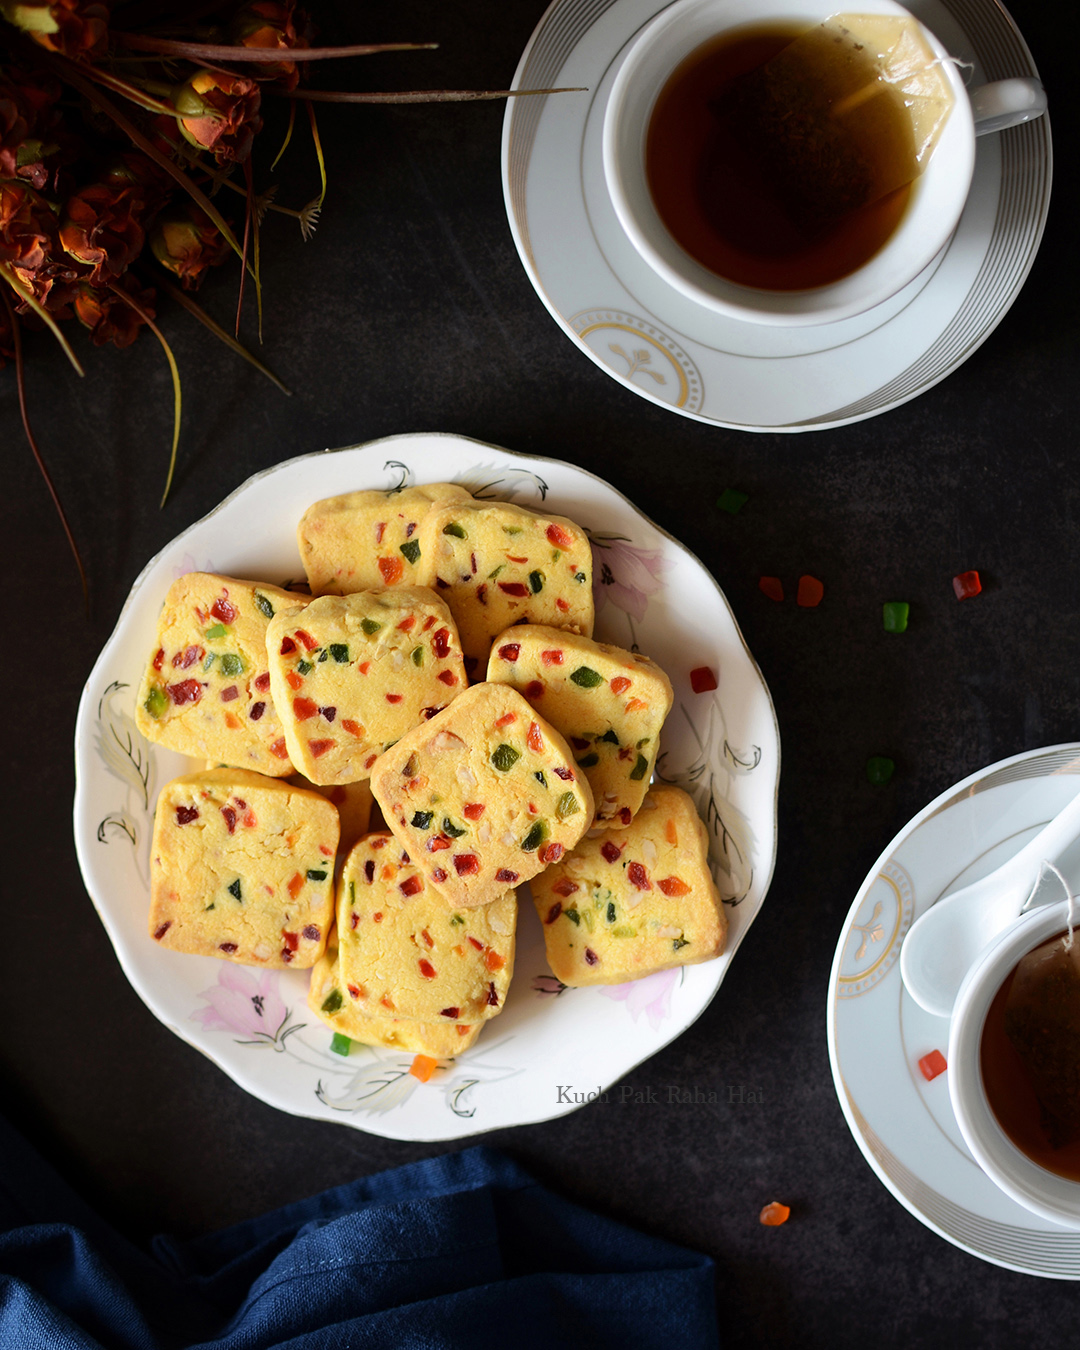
(438, 842)
(810, 592)
(306, 638)
(518, 589)
(591, 957)
(227, 695)
(554, 912)
(511, 651)
(353, 728)
(411, 886)
(262, 682)
(933, 1064)
(227, 947)
(638, 877)
(966, 584)
(579, 743)
(517, 560)
(160, 932)
(466, 864)
(447, 677)
(319, 748)
(610, 852)
(534, 689)
(188, 657)
(472, 810)
(475, 942)
(287, 646)
(450, 1012)
(279, 749)
(185, 691)
(567, 775)
(292, 940)
(626, 815)
(186, 814)
(674, 886)
(391, 570)
(562, 604)
(304, 708)
(369, 870)
(773, 587)
(564, 887)
(492, 999)
(223, 610)
(559, 537)
(535, 740)
(506, 719)
(550, 853)
(257, 710)
(438, 874)
(506, 875)
(702, 680)
(230, 817)
(159, 657)
(426, 968)
(394, 698)
(440, 642)
(552, 658)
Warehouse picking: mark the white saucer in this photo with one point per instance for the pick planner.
(878, 1033)
(756, 377)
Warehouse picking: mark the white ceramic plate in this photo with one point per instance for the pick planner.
(756, 377)
(551, 1046)
(878, 1033)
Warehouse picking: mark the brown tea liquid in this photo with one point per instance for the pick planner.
(756, 196)
(1048, 1130)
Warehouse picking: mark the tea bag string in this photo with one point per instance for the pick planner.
(1048, 866)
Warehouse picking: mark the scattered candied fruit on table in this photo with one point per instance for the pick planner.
(773, 587)
(810, 592)
(894, 616)
(932, 1065)
(966, 584)
(702, 680)
(880, 769)
(732, 501)
(774, 1214)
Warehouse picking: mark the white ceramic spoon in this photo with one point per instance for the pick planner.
(942, 946)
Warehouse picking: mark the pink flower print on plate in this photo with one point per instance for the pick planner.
(625, 575)
(248, 1003)
(651, 995)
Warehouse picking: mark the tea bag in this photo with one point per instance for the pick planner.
(1042, 1021)
(849, 111)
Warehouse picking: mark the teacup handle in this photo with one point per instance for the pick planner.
(1006, 103)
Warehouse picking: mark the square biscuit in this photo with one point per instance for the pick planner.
(365, 539)
(242, 868)
(609, 703)
(630, 902)
(206, 690)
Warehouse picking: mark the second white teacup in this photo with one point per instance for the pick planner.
(935, 203)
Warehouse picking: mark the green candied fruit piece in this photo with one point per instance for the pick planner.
(640, 769)
(586, 678)
(156, 702)
(504, 757)
(263, 605)
(411, 764)
(894, 616)
(879, 769)
(231, 664)
(418, 656)
(458, 531)
(422, 820)
(304, 667)
(323, 655)
(411, 549)
(218, 631)
(340, 652)
(732, 501)
(332, 1002)
(339, 1044)
(610, 737)
(623, 930)
(456, 920)
(539, 776)
(234, 889)
(535, 837)
(590, 920)
(451, 829)
(495, 572)
(678, 942)
(352, 892)
(610, 915)
(370, 626)
(589, 762)
(512, 529)
(316, 875)
(579, 576)
(573, 916)
(567, 805)
(536, 582)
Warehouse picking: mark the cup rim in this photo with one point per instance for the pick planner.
(1047, 1194)
(910, 249)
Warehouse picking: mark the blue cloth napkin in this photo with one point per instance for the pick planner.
(462, 1250)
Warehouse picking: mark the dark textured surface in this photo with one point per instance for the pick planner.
(410, 311)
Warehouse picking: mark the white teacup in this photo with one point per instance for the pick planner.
(936, 201)
(1042, 1192)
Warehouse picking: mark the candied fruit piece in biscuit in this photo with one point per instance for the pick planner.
(350, 674)
(404, 952)
(242, 868)
(329, 1000)
(370, 538)
(609, 704)
(206, 691)
(630, 902)
(483, 796)
(498, 564)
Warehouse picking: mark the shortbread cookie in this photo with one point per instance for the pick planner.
(609, 704)
(366, 539)
(206, 691)
(242, 867)
(330, 1001)
(497, 564)
(353, 802)
(403, 952)
(350, 674)
(634, 901)
(483, 796)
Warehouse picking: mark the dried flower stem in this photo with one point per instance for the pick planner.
(319, 154)
(174, 371)
(182, 298)
(204, 52)
(20, 385)
(418, 95)
(288, 136)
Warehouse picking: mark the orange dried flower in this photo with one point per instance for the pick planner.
(75, 28)
(186, 241)
(28, 231)
(106, 315)
(102, 229)
(219, 112)
(269, 24)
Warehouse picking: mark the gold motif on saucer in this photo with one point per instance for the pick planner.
(873, 940)
(642, 355)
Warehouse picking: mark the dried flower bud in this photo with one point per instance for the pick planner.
(269, 25)
(220, 113)
(186, 241)
(102, 228)
(28, 231)
(75, 28)
(107, 316)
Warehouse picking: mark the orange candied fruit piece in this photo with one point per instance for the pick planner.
(774, 1214)
(933, 1064)
(423, 1066)
(810, 592)
(391, 570)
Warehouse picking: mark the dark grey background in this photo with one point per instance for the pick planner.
(410, 311)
